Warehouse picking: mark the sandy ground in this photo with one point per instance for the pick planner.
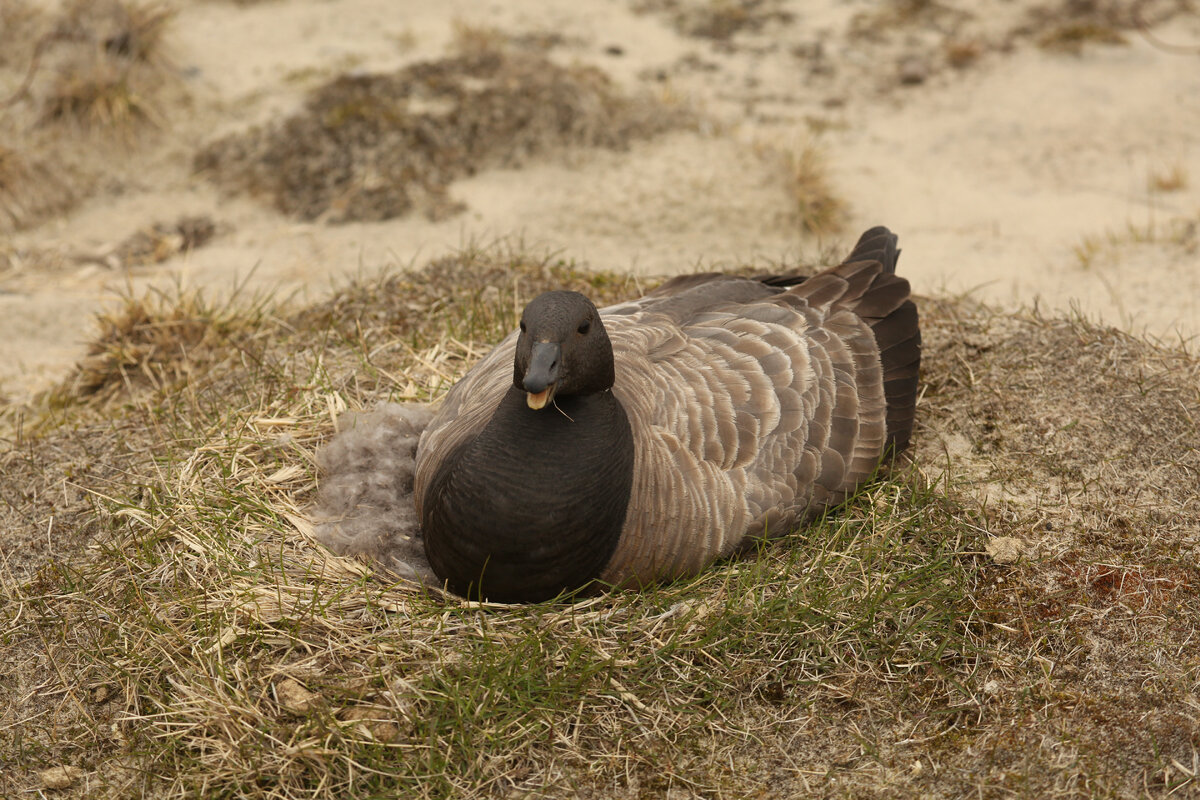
(1026, 175)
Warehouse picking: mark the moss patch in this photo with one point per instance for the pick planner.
(373, 147)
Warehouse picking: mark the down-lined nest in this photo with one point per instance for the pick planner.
(171, 628)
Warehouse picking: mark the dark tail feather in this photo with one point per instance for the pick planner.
(886, 307)
(866, 284)
(877, 244)
(900, 352)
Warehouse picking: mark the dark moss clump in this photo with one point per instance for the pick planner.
(718, 21)
(373, 147)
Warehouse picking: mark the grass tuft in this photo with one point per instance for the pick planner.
(31, 189)
(820, 210)
(97, 95)
(111, 62)
(93, 68)
(1071, 37)
(1174, 179)
(718, 20)
(1093, 250)
(157, 341)
(962, 53)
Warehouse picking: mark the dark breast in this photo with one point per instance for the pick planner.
(532, 506)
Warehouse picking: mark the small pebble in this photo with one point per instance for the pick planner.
(1005, 549)
(913, 71)
(60, 777)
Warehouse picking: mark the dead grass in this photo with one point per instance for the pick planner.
(97, 64)
(203, 645)
(1071, 37)
(1169, 180)
(819, 209)
(156, 243)
(135, 31)
(31, 189)
(373, 147)
(74, 78)
(1084, 445)
(885, 19)
(962, 53)
(1071, 25)
(901, 31)
(99, 94)
(718, 20)
(156, 341)
(1099, 249)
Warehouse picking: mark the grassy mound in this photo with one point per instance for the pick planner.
(169, 629)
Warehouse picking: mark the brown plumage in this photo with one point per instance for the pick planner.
(750, 406)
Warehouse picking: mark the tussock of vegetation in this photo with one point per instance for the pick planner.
(169, 629)
(962, 53)
(1070, 25)
(99, 94)
(1171, 180)
(717, 19)
(819, 209)
(1072, 36)
(87, 66)
(30, 264)
(162, 240)
(886, 19)
(156, 341)
(1102, 248)
(373, 147)
(966, 33)
(31, 189)
(95, 63)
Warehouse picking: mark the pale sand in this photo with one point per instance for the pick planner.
(992, 175)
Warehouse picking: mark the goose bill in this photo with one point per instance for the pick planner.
(538, 400)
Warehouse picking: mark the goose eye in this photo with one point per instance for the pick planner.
(585, 327)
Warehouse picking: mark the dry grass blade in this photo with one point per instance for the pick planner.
(31, 189)
(99, 94)
(820, 209)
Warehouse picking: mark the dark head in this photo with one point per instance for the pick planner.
(563, 349)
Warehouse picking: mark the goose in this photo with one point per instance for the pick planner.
(639, 443)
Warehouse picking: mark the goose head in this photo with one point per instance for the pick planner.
(562, 350)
